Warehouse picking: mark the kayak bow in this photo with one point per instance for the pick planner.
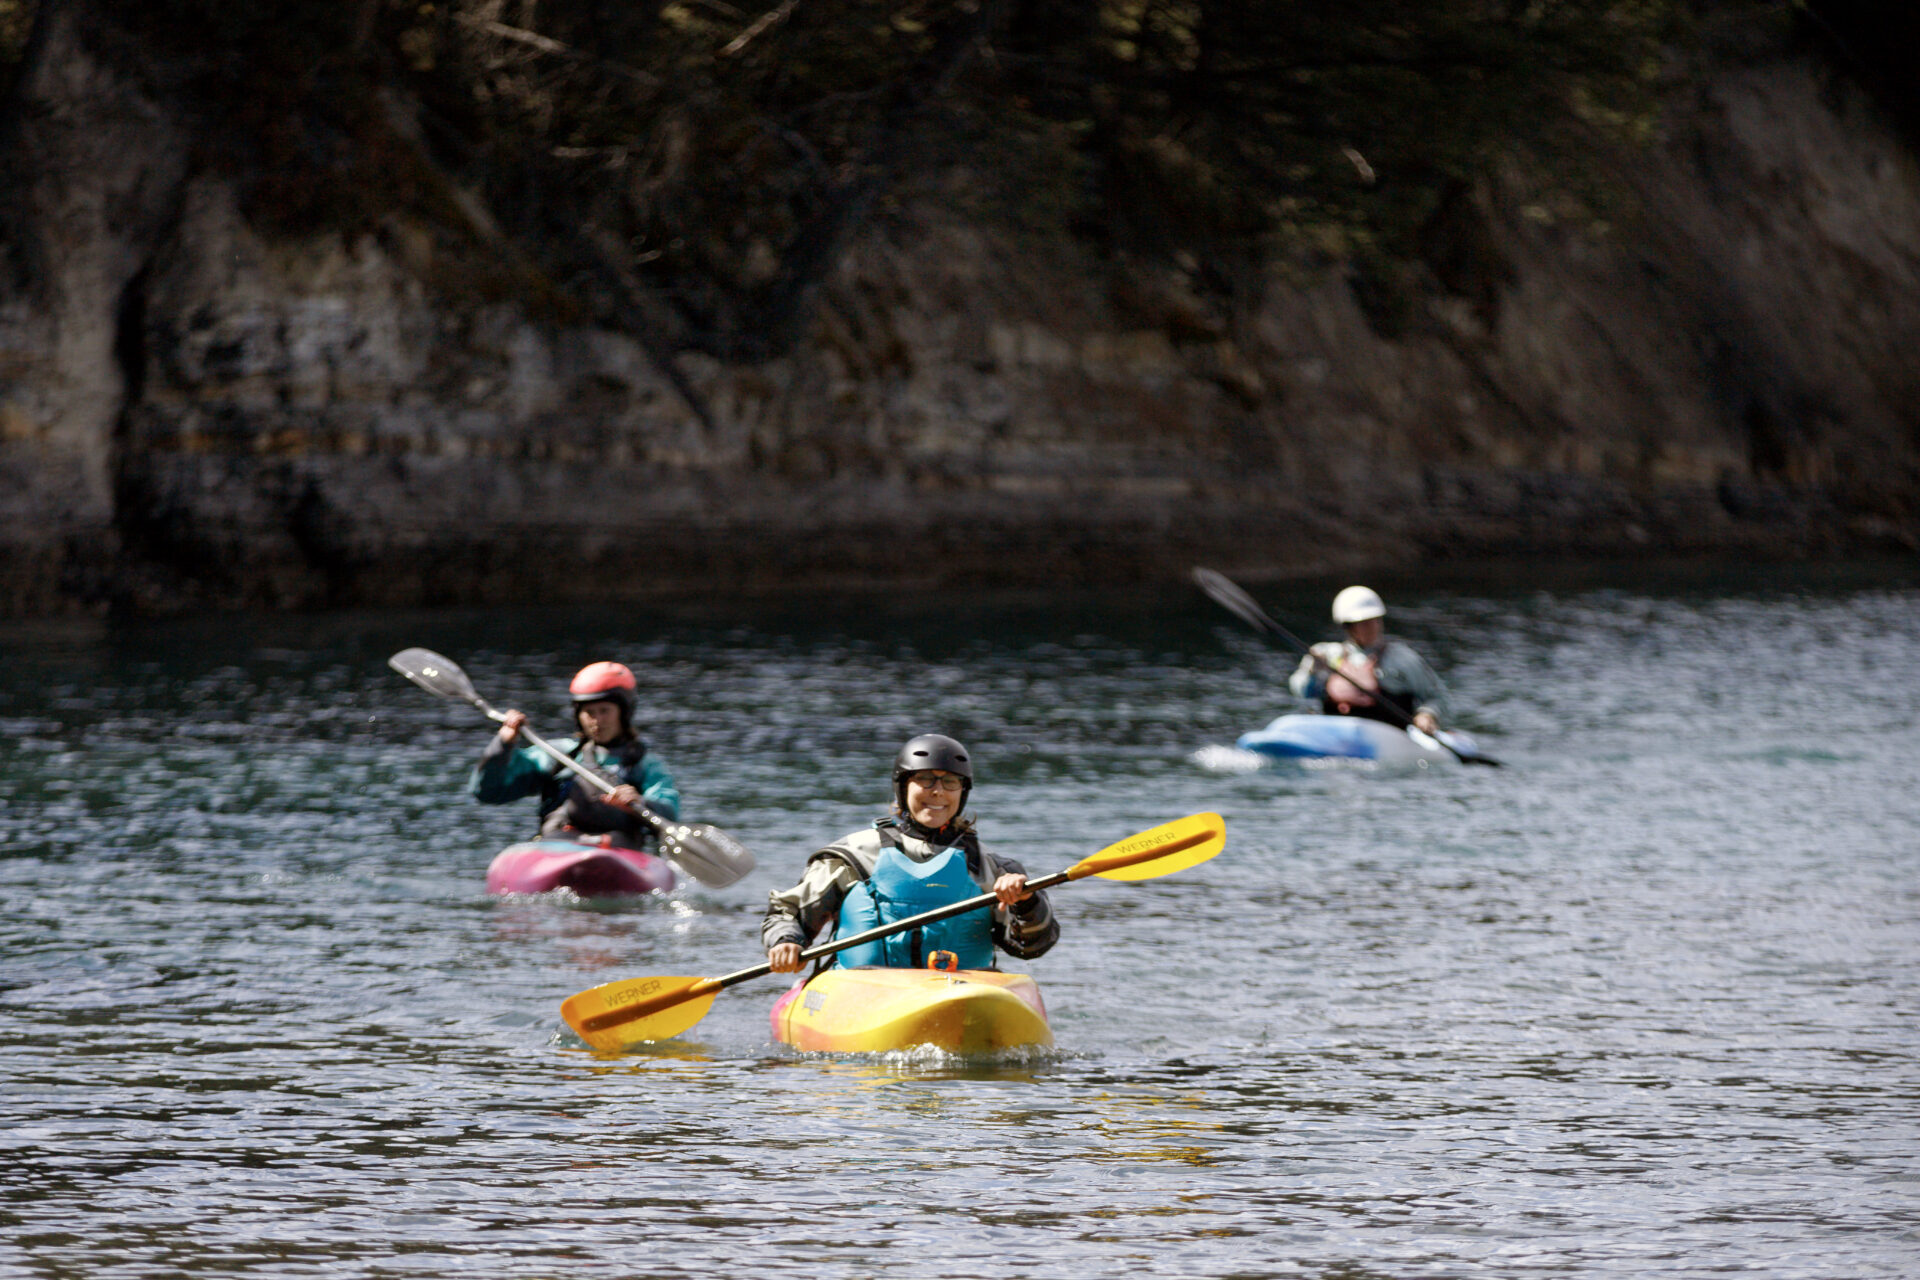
(1314, 737)
(966, 1011)
(590, 870)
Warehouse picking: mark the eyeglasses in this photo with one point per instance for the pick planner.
(937, 781)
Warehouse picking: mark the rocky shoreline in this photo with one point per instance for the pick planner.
(195, 414)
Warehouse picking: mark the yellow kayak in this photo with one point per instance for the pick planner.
(965, 1011)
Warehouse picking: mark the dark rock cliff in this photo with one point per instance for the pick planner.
(197, 411)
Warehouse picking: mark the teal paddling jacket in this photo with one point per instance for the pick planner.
(514, 772)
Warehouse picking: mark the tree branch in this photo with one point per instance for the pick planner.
(548, 45)
(771, 18)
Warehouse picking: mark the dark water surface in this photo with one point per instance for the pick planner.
(1645, 1002)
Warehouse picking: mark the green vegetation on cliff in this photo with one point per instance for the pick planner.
(1017, 256)
(16, 21)
(706, 162)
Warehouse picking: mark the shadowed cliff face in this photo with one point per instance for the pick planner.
(195, 410)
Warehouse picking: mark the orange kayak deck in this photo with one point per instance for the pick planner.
(970, 1011)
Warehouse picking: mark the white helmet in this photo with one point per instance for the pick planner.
(1357, 604)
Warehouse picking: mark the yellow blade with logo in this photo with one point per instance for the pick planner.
(617, 1014)
(1170, 847)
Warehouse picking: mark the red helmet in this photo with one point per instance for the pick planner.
(606, 682)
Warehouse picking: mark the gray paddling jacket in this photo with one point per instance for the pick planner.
(1403, 675)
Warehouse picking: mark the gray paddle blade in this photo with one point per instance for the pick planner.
(435, 674)
(706, 853)
(1230, 597)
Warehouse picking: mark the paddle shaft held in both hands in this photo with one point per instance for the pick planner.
(1008, 890)
(444, 677)
(1109, 861)
(678, 841)
(616, 1017)
(1238, 602)
(566, 761)
(1230, 597)
(607, 789)
(1093, 866)
(710, 855)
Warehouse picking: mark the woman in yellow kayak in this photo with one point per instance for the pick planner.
(925, 855)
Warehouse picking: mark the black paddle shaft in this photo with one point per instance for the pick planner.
(898, 926)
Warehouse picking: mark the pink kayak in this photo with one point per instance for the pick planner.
(590, 870)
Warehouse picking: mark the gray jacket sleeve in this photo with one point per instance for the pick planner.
(1405, 673)
(1028, 929)
(798, 914)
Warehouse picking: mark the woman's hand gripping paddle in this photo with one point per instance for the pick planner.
(1230, 597)
(616, 1015)
(706, 853)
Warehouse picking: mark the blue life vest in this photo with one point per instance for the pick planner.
(900, 887)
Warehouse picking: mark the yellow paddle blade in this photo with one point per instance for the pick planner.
(615, 1015)
(1170, 847)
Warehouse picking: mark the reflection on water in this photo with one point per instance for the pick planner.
(1642, 1002)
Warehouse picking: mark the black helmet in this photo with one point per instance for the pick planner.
(931, 751)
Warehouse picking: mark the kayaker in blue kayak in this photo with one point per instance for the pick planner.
(1373, 662)
(925, 855)
(604, 701)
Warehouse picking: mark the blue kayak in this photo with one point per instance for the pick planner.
(1306, 738)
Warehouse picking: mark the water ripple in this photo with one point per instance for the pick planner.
(1642, 1003)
